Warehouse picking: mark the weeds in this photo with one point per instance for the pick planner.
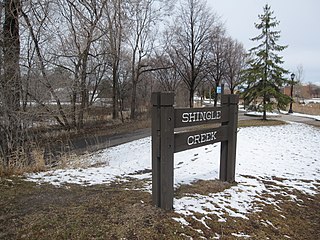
(22, 161)
(52, 147)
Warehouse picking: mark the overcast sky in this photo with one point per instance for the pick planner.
(299, 26)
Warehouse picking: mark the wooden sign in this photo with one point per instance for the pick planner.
(188, 140)
(197, 116)
(165, 142)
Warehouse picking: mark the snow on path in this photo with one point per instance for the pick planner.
(289, 151)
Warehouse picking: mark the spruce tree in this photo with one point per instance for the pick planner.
(265, 76)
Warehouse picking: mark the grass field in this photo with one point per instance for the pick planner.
(121, 210)
(118, 211)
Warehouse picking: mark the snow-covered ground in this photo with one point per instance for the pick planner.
(307, 116)
(312, 100)
(288, 152)
(277, 114)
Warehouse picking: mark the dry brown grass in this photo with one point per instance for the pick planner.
(202, 187)
(99, 212)
(259, 122)
(119, 211)
(311, 108)
(33, 159)
(21, 162)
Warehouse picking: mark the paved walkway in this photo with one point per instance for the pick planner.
(109, 141)
(293, 118)
(99, 142)
(286, 117)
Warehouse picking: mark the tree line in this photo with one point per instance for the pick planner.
(58, 58)
(85, 48)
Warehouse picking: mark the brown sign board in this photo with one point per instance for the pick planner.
(188, 140)
(165, 142)
(185, 117)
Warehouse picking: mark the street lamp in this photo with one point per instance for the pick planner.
(291, 92)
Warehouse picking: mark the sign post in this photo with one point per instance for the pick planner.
(228, 147)
(162, 149)
(165, 118)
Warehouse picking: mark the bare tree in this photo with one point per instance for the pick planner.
(166, 75)
(299, 74)
(298, 86)
(140, 20)
(314, 90)
(35, 27)
(115, 19)
(11, 54)
(82, 19)
(217, 63)
(191, 33)
(235, 63)
(114, 41)
(143, 16)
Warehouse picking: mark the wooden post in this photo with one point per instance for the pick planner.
(162, 149)
(228, 148)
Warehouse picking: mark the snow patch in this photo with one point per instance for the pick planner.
(287, 155)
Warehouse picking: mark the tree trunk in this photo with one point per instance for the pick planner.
(264, 102)
(11, 52)
(11, 131)
(264, 116)
(115, 110)
(133, 100)
(191, 93)
(83, 87)
(215, 101)
(74, 108)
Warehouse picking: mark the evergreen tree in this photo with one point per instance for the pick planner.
(265, 74)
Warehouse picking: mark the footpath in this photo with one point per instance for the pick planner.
(307, 119)
(300, 119)
(95, 143)
(110, 141)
